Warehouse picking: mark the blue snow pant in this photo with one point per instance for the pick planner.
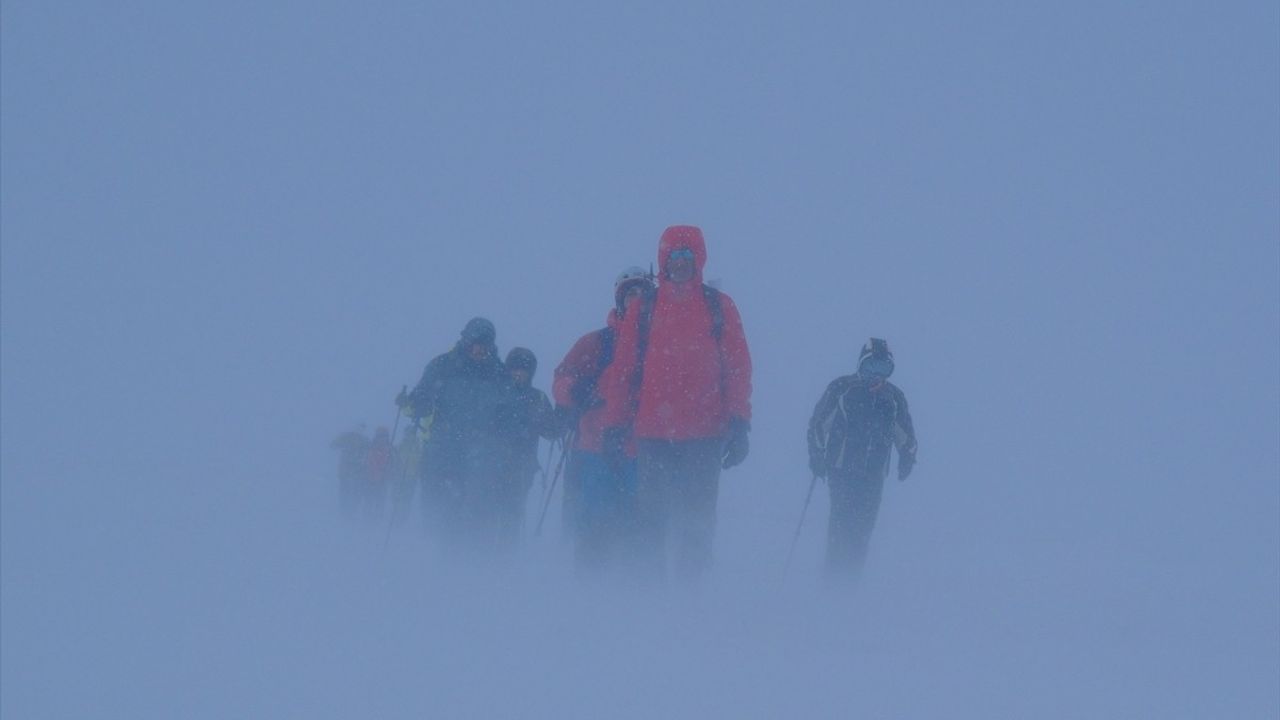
(604, 512)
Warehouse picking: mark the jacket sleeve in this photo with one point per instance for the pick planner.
(422, 401)
(904, 430)
(736, 359)
(822, 419)
(580, 362)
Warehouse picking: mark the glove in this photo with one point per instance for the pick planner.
(906, 461)
(402, 399)
(737, 445)
(817, 465)
(615, 445)
(584, 396)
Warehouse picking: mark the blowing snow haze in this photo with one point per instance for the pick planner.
(231, 232)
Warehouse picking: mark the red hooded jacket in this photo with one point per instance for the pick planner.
(691, 385)
(583, 361)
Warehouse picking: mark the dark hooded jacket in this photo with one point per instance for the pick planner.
(854, 425)
(525, 416)
(463, 397)
(352, 447)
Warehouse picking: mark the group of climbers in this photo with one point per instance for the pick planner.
(365, 470)
(649, 410)
(479, 457)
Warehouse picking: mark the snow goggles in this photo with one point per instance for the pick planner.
(876, 367)
(681, 254)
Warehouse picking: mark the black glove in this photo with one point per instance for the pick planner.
(818, 465)
(584, 396)
(615, 446)
(736, 444)
(906, 461)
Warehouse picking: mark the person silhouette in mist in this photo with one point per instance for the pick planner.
(599, 491)
(525, 417)
(683, 363)
(858, 420)
(459, 398)
(352, 447)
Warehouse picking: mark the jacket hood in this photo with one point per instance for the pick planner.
(478, 330)
(677, 237)
(522, 359)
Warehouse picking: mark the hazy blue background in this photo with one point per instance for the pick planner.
(231, 230)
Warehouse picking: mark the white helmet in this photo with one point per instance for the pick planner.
(627, 278)
(635, 272)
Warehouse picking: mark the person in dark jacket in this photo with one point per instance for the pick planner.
(683, 361)
(599, 492)
(524, 417)
(459, 398)
(352, 447)
(859, 419)
(379, 470)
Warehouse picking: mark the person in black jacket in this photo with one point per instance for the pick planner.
(459, 398)
(352, 447)
(525, 417)
(858, 420)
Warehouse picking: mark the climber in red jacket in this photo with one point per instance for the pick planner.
(682, 362)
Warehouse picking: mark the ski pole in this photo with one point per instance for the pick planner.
(391, 522)
(546, 468)
(551, 491)
(546, 498)
(799, 526)
(395, 426)
(400, 498)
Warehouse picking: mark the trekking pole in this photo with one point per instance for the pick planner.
(400, 499)
(546, 468)
(564, 453)
(395, 426)
(799, 526)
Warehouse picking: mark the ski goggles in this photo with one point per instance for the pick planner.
(878, 367)
(681, 254)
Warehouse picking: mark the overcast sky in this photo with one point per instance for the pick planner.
(231, 230)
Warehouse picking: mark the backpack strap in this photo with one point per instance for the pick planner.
(607, 338)
(643, 323)
(712, 297)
